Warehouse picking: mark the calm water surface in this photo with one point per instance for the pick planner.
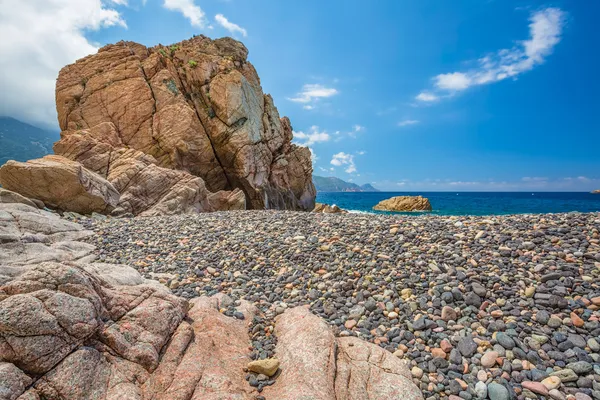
(475, 203)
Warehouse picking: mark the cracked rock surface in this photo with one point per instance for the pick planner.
(193, 111)
(74, 329)
(317, 365)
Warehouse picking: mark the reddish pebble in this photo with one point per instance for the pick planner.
(446, 345)
(535, 387)
(350, 324)
(577, 321)
(437, 352)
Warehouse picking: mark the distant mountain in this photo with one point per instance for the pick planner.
(20, 141)
(332, 184)
(367, 187)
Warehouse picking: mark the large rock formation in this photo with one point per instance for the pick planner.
(404, 203)
(72, 329)
(197, 108)
(596, 191)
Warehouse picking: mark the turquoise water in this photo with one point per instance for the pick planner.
(475, 203)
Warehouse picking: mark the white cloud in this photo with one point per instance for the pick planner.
(344, 159)
(408, 122)
(313, 136)
(189, 10)
(361, 152)
(308, 107)
(427, 97)
(355, 130)
(230, 26)
(37, 39)
(453, 81)
(545, 30)
(312, 93)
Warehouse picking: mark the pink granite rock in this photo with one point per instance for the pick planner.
(316, 365)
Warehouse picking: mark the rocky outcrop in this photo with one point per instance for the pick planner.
(404, 203)
(74, 329)
(135, 185)
(327, 209)
(596, 191)
(60, 183)
(196, 109)
(6, 196)
(317, 365)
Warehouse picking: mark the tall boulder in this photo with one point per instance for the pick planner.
(197, 107)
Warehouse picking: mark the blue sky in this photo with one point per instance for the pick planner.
(408, 95)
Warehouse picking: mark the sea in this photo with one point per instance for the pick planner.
(472, 203)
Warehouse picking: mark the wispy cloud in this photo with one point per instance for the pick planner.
(189, 10)
(408, 122)
(344, 159)
(314, 135)
(356, 129)
(312, 93)
(230, 26)
(545, 30)
(427, 97)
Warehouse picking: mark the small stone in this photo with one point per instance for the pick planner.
(479, 289)
(593, 345)
(565, 375)
(472, 299)
(416, 372)
(582, 396)
(467, 346)
(535, 387)
(497, 392)
(505, 341)
(554, 322)
(481, 375)
(370, 305)
(530, 291)
(267, 366)
(448, 314)
(576, 320)
(556, 395)
(351, 323)
(481, 390)
(580, 367)
(446, 345)
(438, 353)
(399, 353)
(542, 317)
(489, 359)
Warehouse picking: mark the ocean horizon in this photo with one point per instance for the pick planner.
(472, 203)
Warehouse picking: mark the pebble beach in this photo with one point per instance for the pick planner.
(497, 307)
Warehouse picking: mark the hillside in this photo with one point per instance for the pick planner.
(20, 141)
(333, 184)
